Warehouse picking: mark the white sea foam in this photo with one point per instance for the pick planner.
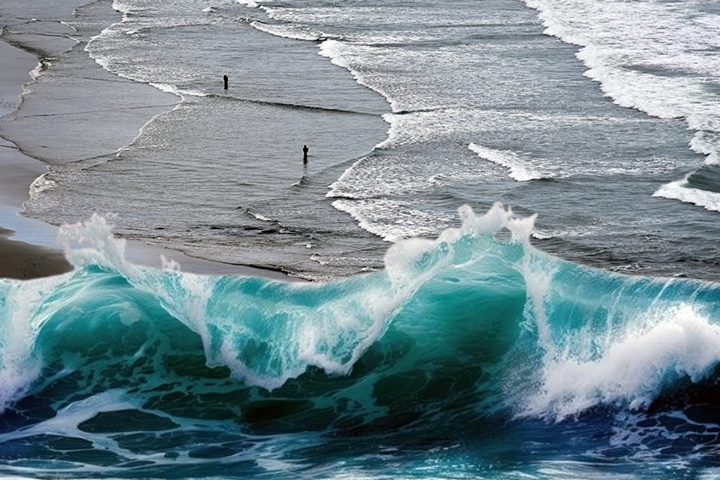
(408, 128)
(248, 3)
(66, 421)
(122, 6)
(542, 234)
(167, 88)
(261, 217)
(633, 59)
(289, 31)
(361, 316)
(632, 366)
(343, 54)
(41, 184)
(637, 89)
(21, 319)
(519, 169)
(679, 191)
(662, 67)
(127, 8)
(93, 243)
(340, 329)
(392, 220)
(372, 177)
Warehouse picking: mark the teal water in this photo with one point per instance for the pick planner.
(473, 355)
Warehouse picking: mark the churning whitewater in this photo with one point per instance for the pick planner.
(116, 369)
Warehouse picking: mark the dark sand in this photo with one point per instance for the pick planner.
(24, 261)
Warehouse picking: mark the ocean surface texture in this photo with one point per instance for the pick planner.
(512, 207)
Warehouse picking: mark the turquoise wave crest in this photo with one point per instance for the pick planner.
(455, 333)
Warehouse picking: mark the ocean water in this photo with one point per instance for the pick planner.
(589, 114)
(465, 357)
(569, 332)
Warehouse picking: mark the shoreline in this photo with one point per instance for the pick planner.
(27, 246)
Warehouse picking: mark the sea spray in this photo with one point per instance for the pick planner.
(267, 332)
(20, 319)
(633, 367)
(617, 341)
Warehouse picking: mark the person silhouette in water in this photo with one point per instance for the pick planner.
(305, 152)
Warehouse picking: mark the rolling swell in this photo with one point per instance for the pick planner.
(125, 368)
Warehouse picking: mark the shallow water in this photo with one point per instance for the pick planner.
(467, 103)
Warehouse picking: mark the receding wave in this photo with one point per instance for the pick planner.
(289, 31)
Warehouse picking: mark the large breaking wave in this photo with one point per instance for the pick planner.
(122, 368)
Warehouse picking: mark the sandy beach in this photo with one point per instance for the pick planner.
(28, 248)
(20, 260)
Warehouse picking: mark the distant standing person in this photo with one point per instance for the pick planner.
(305, 150)
(225, 79)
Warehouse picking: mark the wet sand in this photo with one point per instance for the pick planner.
(27, 247)
(24, 261)
(20, 260)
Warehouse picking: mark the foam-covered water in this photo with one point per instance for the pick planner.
(461, 351)
(644, 66)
